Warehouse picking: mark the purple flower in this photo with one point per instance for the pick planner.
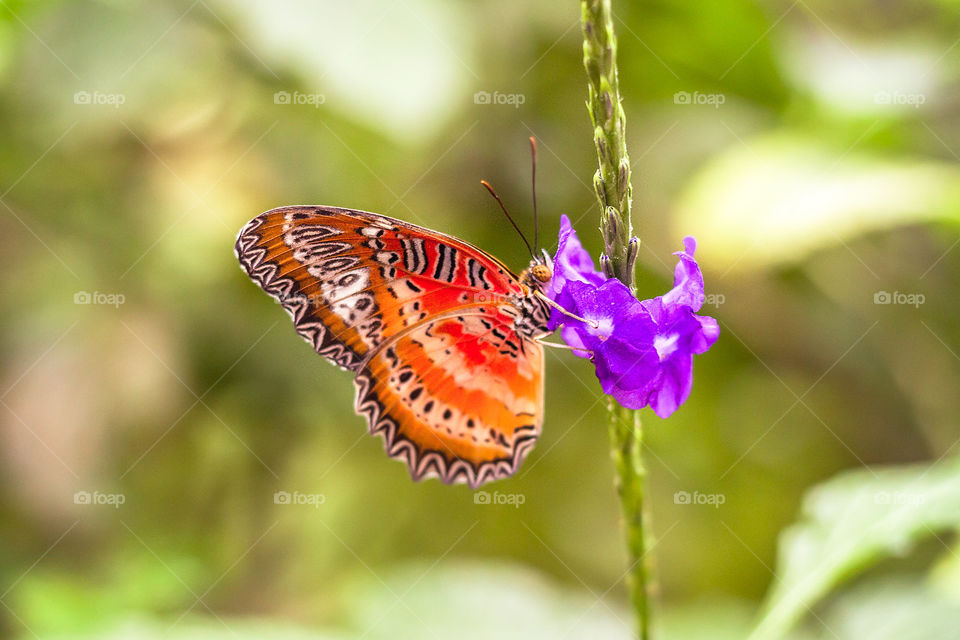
(571, 263)
(642, 350)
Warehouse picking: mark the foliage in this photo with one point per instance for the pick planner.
(851, 522)
(144, 199)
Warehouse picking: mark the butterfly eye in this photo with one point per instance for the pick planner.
(542, 272)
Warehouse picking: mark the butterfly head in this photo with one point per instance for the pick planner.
(539, 273)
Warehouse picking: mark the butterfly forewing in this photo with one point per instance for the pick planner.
(424, 322)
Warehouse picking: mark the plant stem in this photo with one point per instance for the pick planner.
(626, 440)
(612, 184)
(612, 180)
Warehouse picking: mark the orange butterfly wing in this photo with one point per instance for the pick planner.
(423, 320)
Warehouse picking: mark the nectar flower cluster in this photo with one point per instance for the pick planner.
(642, 349)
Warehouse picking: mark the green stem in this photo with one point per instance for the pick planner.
(627, 443)
(612, 180)
(612, 184)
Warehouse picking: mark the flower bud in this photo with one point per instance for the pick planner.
(598, 186)
(606, 266)
(608, 105)
(633, 249)
(611, 227)
(601, 142)
(623, 180)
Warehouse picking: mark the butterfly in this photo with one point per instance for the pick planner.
(441, 337)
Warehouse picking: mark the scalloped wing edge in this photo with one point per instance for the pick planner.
(251, 260)
(433, 464)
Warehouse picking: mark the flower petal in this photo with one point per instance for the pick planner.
(708, 334)
(674, 387)
(571, 335)
(571, 262)
(687, 279)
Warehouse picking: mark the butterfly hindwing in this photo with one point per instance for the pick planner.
(389, 300)
(457, 398)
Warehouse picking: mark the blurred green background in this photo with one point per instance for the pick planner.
(811, 147)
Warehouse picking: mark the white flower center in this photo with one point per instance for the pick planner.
(666, 345)
(601, 327)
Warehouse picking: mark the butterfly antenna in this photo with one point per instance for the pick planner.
(533, 173)
(504, 209)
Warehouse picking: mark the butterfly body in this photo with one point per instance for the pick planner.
(441, 337)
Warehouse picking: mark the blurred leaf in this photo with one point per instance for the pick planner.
(54, 602)
(222, 629)
(882, 79)
(851, 522)
(945, 574)
(778, 198)
(893, 610)
(406, 86)
(486, 600)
